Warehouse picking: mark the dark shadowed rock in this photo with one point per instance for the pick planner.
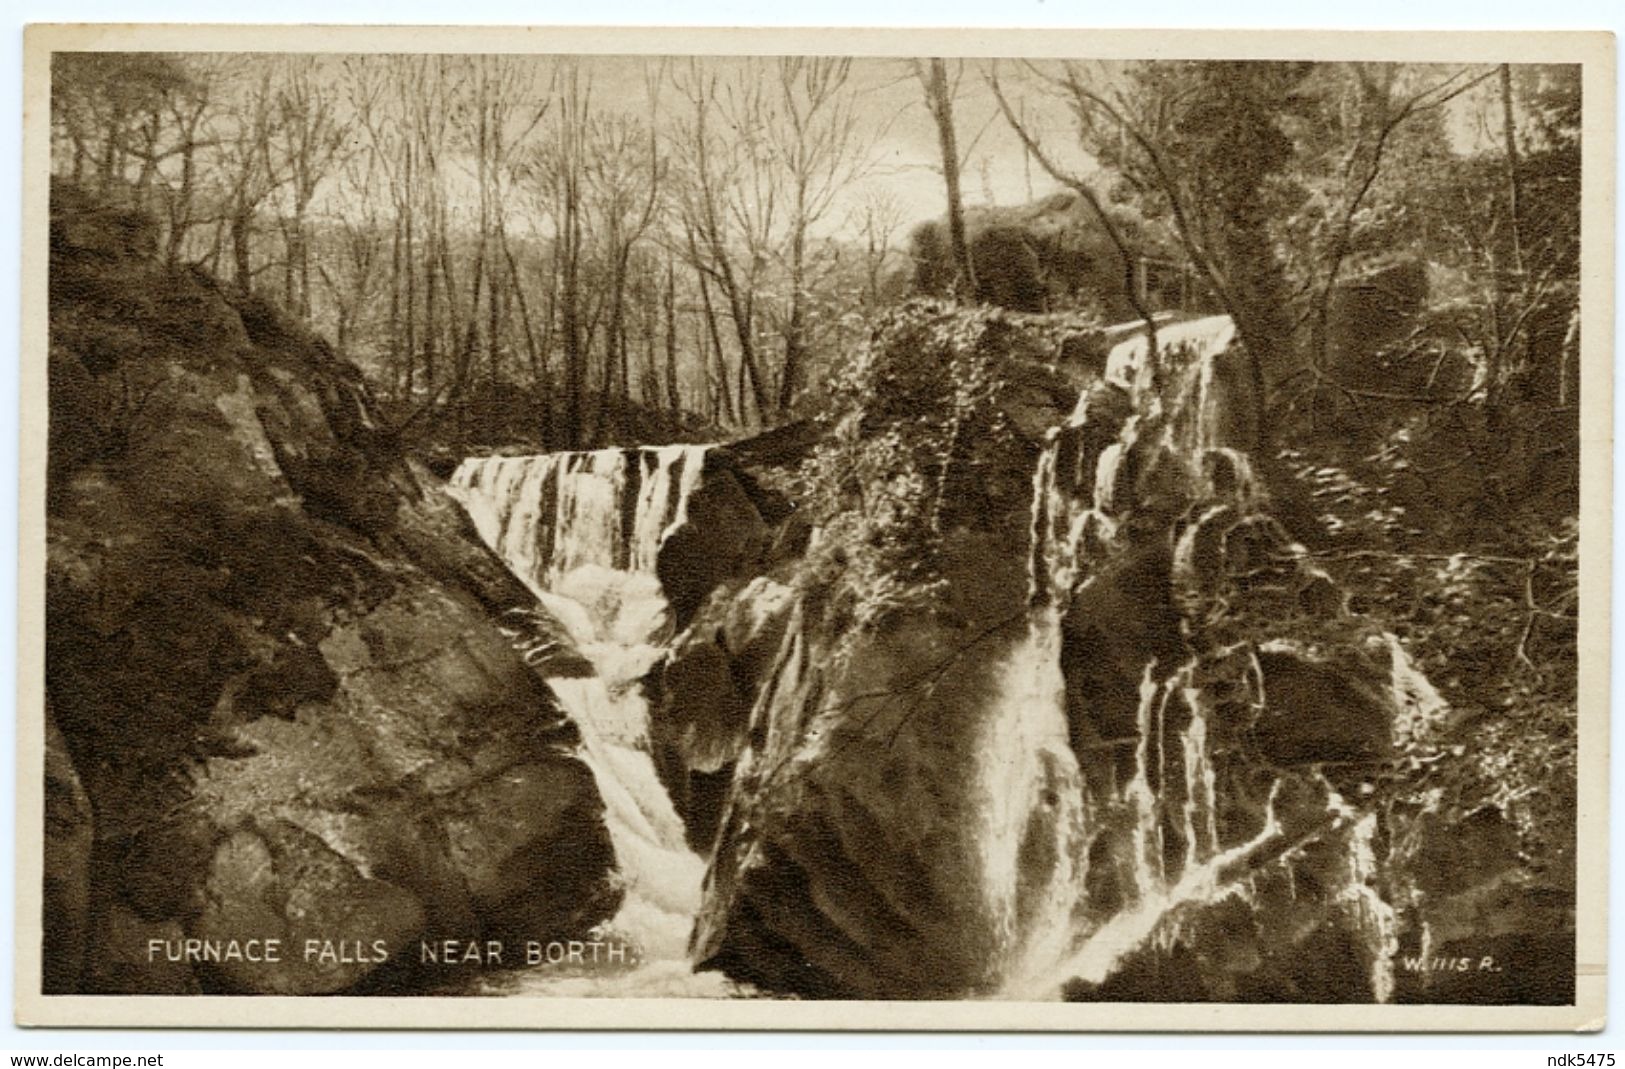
(706, 686)
(1112, 626)
(780, 448)
(123, 963)
(842, 865)
(724, 536)
(1339, 711)
(272, 650)
(1035, 397)
(69, 837)
(1499, 933)
(281, 882)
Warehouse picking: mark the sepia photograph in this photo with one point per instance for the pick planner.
(773, 537)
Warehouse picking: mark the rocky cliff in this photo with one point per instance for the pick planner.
(1030, 712)
(286, 708)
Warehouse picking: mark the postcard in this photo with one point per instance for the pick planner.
(666, 529)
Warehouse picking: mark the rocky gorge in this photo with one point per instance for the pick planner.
(1151, 756)
(1012, 676)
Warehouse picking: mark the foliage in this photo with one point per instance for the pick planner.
(1051, 255)
(907, 412)
(1491, 621)
(1431, 431)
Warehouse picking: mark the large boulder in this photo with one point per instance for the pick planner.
(845, 864)
(724, 536)
(274, 656)
(844, 861)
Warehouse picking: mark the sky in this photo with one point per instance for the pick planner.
(906, 164)
(908, 158)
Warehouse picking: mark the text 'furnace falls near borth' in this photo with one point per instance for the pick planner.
(984, 651)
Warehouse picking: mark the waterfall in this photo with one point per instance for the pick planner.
(552, 514)
(1202, 339)
(1370, 914)
(1032, 811)
(1218, 877)
(1201, 794)
(1159, 830)
(583, 531)
(1094, 843)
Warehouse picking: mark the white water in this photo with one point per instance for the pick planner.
(1073, 513)
(1030, 780)
(569, 526)
(1032, 797)
(1201, 339)
(1132, 927)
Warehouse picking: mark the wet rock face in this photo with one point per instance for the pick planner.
(272, 654)
(725, 536)
(1215, 708)
(721, 571)
(706, 687)
(1336, 710)
(847, 855)
(845, 864)
(1110, 628)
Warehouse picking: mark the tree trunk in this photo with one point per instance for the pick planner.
(674, 399)
(241, 224)
(289, 241)
(1509, 132)
(301, 257)
(730, 412)
(743, 327)
(570, 297)
(614, 342)
(537, 366)
(431, 315)
(942, 110)
(409, 259)
(181, 217)
(395, 304)
(795, 327)
(494, 324)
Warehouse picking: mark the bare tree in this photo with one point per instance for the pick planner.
(623, 172)
(560, 169)
(723, 194)
(939, 101)
(881, 218)
(188, 111)
(1169, 131)
(350, 280)
(817, 137)
(243, 164)
(1034, 149)
(304, 144)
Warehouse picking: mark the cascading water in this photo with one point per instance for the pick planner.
(1159, 831)
(583, 531)
(1033, 818)
(1095, 844)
